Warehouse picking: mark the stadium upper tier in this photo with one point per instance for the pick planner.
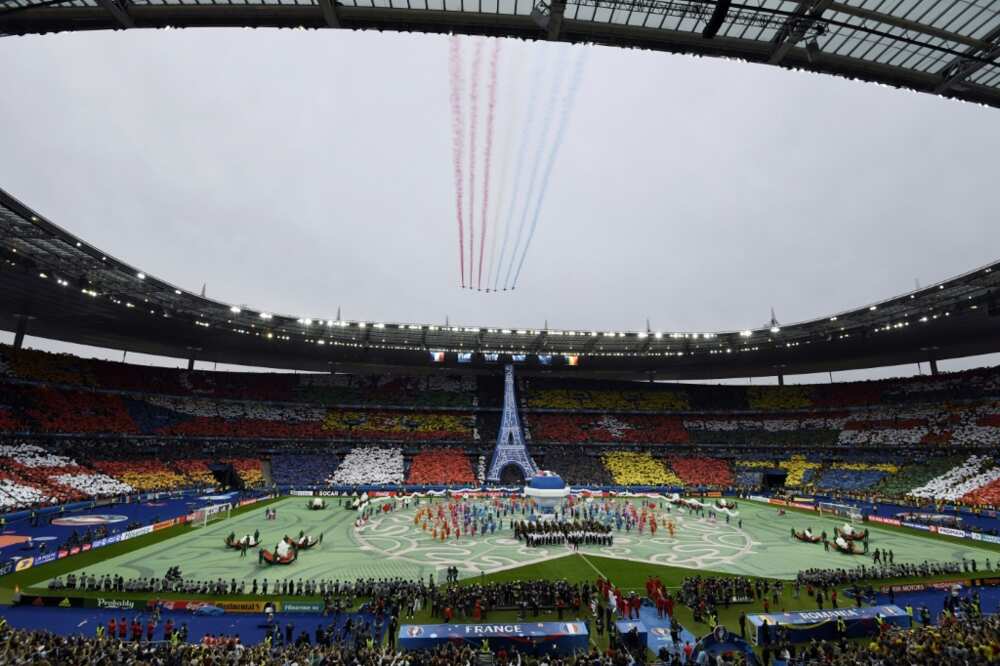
(943, 47)
(50, 394)
(56, 286)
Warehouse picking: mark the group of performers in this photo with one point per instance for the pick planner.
(455, 517)
(575, 522)
(575, 533)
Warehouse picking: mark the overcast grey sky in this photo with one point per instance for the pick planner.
(299, 171)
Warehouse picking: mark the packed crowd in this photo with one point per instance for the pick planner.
(42, 647)
(958, 642)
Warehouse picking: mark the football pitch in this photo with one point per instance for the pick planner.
(393, 545)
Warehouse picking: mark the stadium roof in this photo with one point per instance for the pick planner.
(65, 289)
(944, 47)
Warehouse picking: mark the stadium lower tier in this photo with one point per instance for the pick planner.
(41, 471)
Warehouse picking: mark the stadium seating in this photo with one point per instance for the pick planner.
(610, 400)
(15, 494)
(195, 471)
(779, 398)
(432, 391)
(441, 466)
(698, 471)
(748, 478)
(142, 474)
(55, 477)
(576, 465)
(987, 494)
(408, 426)
(914, 475)
(848, 480)
(303, 468)
(639, 469)
(370, 464)
(607, 428)
(60, 411)
(974, 473)
(248, 469)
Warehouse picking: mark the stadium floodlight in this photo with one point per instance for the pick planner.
(658, 335)
(874, 307)
(775, 329)
(308, 322)
(42, 275)
(235, 309)
(265, 315)
(642, 335)
(141, 276)
(833, 319)
(746, 334)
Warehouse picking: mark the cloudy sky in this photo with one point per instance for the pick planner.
(299, 172)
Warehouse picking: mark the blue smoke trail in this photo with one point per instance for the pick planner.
(543, 139)
(574, 84)
(522, 149)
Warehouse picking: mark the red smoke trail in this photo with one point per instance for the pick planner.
(477, 60)
(457, 143)
(490, 115)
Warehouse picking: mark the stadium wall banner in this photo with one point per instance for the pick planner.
(921, 587)
(113, 604)
(254, 500)
(884, 521)
(797, 505)
(804, 626)
(51, 602)
(227, 606)
(530, 637)
(916, 526)
(988, 538)
(950, 531)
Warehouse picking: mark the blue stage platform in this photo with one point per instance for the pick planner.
(526, 637)
(804, 626)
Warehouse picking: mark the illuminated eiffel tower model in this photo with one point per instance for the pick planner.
(510, 449)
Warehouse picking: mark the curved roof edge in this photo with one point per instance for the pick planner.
(947, 51)
(60, 287)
